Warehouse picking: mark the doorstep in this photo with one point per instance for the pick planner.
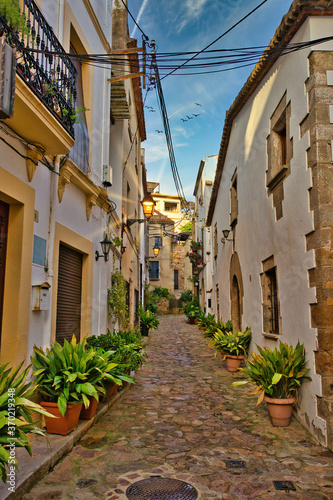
(47, 451)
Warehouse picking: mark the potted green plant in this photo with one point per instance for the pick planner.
(213, 326)
(278, 375)
(65, 378)
(148, 320)
(232, 345)
(16, 422)
(192, 310)
(126, 351)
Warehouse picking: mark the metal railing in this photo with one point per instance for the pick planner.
(43, 65)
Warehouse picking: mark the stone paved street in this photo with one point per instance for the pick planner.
(182, 419)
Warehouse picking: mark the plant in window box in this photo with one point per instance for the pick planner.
(278, 375)
(232, 345)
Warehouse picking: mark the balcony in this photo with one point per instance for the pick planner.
(45, 88)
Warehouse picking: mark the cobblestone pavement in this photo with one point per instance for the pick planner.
(182, 419)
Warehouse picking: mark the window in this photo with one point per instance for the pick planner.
(271, 320)
(154, 270)
(158, 241)
(170, 207)
(234, 202)
(176, 279)
(280, 152)
(79, 153)
(215, 241)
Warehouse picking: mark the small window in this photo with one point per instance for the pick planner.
(271, 320)
(154, 270)
(170, 207)
(176, 279)
(279, 153)
(234, 202)
(215, 241)
(158, 241)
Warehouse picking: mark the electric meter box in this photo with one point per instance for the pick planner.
(41, 297)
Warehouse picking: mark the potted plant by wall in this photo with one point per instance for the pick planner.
(232, 345)
(16, 422)
(65, 378)
(126, 351)
(147, 320)
(213, 326)
(278, 374)
(192, 310)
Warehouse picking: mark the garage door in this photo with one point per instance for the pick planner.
(69, 294)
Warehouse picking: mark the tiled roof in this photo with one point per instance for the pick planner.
(290, 24)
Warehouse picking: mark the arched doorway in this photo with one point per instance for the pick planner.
(235, 304)
(236, 291)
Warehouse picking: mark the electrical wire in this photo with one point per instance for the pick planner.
(136, 24)
(217, 39)
(208, 63)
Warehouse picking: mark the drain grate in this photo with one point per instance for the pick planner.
(235, 464)
(161, 488)
(284, 485)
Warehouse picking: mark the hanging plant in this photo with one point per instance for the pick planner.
(118, 300)
(10, 10)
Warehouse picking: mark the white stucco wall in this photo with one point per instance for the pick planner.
(258, 234)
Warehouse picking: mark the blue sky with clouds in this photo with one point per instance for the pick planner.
(190, 25)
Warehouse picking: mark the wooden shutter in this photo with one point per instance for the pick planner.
(4, 211)
(69, 295)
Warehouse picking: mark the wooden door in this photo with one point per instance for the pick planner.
(4, 212)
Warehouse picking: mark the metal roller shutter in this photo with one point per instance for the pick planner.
(69, 295)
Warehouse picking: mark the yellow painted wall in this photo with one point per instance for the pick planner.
(16, 306)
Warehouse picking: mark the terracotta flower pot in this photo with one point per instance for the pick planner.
(280, 410)
(61, 425)
(233, 362)
(111, 390)
(90, 412)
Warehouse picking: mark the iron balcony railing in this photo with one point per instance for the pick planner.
(43, 65)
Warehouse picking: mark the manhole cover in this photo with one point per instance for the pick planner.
(235, 464)
(161, 488)
(284, 485)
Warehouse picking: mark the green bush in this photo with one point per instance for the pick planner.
(185, 296)
(127, 351)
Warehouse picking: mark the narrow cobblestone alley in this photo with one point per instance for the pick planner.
(182, 419)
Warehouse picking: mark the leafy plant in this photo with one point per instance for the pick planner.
(212, 328)
(192, 309)
(15, 418)
(118, 299)
(126, 350)
(148, 318)
(185, 296)
(205, 321)
(70, 373)
(235, 343)
(277, 373)
(10, 10)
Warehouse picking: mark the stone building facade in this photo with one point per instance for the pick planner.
(273, 193)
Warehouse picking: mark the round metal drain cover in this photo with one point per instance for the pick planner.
(161, 488)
